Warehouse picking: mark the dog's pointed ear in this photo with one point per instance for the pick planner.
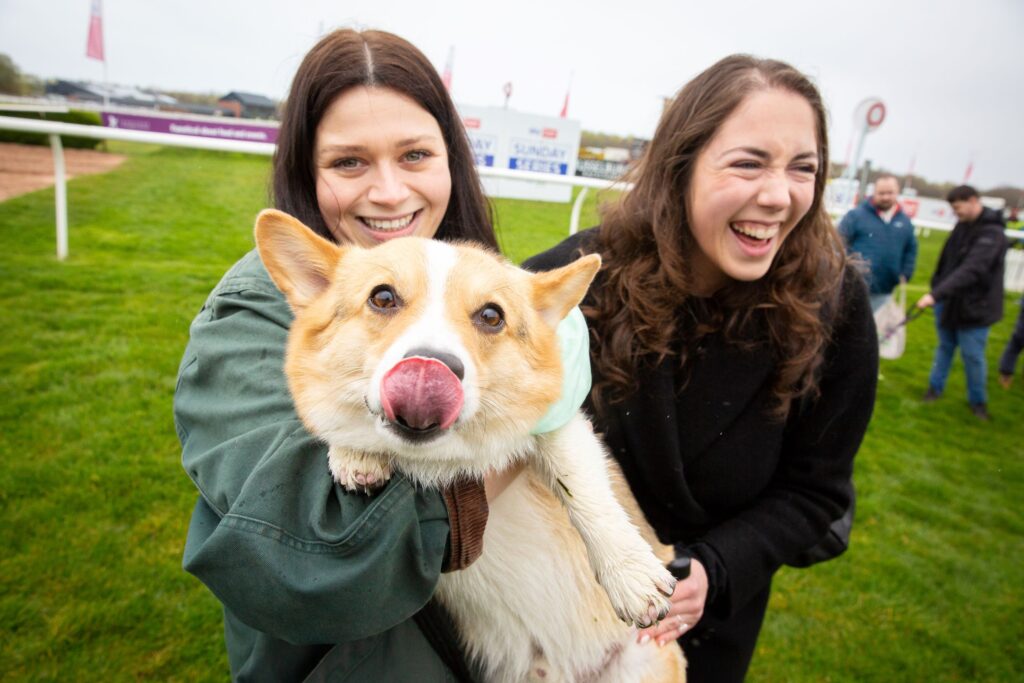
(557, 291)
(299, 261)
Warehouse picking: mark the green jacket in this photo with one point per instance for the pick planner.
(316, 583)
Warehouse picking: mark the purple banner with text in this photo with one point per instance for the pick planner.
(226, 130)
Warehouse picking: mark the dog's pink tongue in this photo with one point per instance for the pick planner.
(422, 392)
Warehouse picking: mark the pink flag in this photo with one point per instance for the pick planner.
(94, 48)
(565, 105)
(446, 77)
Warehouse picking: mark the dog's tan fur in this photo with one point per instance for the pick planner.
(561, 558)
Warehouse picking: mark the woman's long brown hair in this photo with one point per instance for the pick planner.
(640, 312)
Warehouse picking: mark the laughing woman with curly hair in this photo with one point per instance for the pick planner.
(733, 348)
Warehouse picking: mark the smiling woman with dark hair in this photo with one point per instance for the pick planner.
(383, 62)
(734, 352)
(318, 583)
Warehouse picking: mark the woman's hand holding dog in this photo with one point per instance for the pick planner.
(687, 608)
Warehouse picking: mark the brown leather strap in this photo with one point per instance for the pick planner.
(466, 501)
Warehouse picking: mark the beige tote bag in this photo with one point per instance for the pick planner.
(889, 319)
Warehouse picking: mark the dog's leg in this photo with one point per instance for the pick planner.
(572, 460)
(356, 471)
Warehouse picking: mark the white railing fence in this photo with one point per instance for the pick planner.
(55, 129)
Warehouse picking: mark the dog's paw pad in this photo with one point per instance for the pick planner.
(637, 592)
(357, 472)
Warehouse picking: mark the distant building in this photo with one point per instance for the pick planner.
(81, 92)
(248, 105)
(610, 163)
(637, 148)
(102, 93)
(203, 109)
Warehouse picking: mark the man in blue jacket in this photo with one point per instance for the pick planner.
(967, 292)
(882, 235)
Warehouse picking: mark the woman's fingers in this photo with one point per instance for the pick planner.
(678, 622)
(675, 628)
(687, 608)
(667, 630)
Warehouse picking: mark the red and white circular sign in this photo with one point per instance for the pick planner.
(876, 114)
(870, 113)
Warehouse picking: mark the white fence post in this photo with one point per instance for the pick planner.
(60, 196)
(577, 206)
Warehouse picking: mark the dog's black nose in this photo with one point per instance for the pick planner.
(452, 361)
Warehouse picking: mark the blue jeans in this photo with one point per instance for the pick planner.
(971, 341)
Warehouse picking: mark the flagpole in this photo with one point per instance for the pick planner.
(565, 104)
(94, 45)
(449, 64)
(969, 169)
(106, 75)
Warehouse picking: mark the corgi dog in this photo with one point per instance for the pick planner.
(437, 359)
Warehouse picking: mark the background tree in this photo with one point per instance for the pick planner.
(10, 76)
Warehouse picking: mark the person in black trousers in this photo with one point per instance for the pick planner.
(734, 352)
(967, 293)
(1008, 361)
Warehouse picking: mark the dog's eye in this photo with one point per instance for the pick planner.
(383, 298)
(490, 318)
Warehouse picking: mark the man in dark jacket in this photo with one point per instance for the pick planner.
(883, 235)
(967, 292)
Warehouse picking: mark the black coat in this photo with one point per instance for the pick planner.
(713, 470)
(968, 279)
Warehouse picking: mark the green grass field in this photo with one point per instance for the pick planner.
(95, 505)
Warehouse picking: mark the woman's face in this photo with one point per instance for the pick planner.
(751, 185)
(381, 167)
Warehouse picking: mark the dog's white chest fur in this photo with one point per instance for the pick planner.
(529, 607)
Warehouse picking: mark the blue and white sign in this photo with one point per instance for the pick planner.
(539, 156)
(484, 149)
(503, 138)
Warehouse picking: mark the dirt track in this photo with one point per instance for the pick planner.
(26, 168)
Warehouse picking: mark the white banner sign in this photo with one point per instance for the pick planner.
(504, 138)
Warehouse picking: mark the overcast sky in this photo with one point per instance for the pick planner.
(951, 73)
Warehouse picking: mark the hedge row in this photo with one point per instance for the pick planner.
(87, 118)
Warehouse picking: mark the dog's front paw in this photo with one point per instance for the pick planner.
(358, 472)
(639, 588)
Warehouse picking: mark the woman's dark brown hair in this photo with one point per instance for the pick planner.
(347, 58)
(641, 312)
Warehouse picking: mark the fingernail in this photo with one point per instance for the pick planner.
(644, 639)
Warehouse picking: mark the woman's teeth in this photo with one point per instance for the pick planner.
(391, 224)
(758, 232)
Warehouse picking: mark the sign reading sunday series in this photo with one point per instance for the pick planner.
(504, 138)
